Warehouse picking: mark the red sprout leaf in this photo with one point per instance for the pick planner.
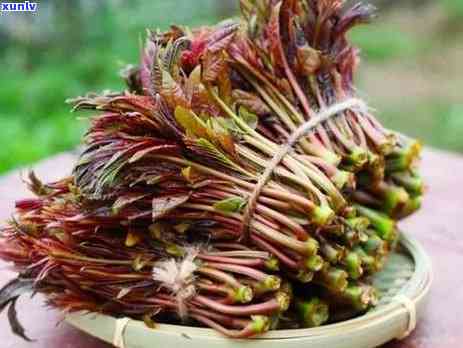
(146, 66)
(213, 65)
(273, 35)
(357, 14)
(222, 37)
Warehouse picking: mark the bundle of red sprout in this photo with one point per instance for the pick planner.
(169, 215)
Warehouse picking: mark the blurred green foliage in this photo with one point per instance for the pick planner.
(435, 123)
(382, 42)
(37, 78)
(85, 52)
(454, 8)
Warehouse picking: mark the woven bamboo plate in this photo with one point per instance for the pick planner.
(404, 285)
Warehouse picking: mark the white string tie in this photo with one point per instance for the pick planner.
(119, 331)
(410, 307)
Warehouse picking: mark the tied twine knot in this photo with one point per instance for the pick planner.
(322, 116)
(177, 276)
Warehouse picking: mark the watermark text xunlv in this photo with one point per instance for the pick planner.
(25, 6)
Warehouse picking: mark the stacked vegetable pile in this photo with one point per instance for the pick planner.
(194, 201)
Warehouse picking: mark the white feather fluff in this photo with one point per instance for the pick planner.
(177, 276)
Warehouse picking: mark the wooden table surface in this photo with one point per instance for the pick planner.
(437, 227)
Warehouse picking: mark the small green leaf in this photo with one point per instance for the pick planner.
(217, 153)
(192, 124)
(132, 239)
(191, 175)
(168, 82)
(248, 117)
(221, 136)
(174, 250)
(230, 205)
(195, 77)
(139, 263)
(228, 124)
